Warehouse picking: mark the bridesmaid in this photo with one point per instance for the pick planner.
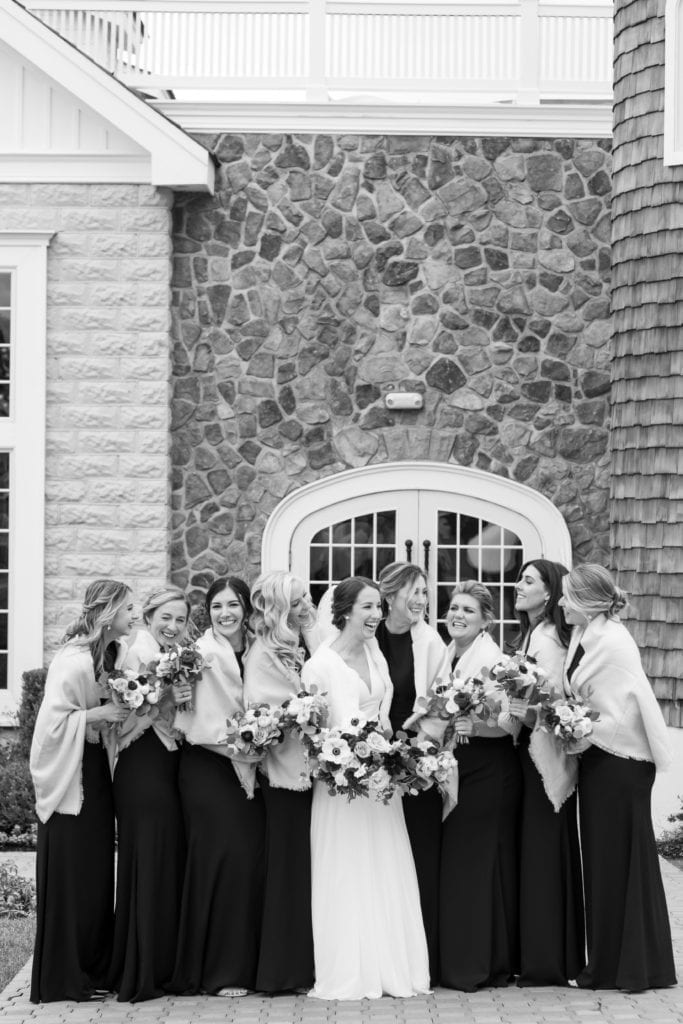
(70, 769)
(479, 860)
(151, 843)
(414, 653)
(552, 944)
(222, 903)
(629, 938)
(281, 612)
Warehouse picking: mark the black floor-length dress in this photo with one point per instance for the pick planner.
(285, 960)
(479, 926)
(75, 887)
(551, 918)
(627, 923)
(422, 812)
(222, 904)
(151, 862)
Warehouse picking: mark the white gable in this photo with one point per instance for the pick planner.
(64, 119)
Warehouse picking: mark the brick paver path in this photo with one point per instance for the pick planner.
(495, 1006)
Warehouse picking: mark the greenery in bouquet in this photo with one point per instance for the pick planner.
(251, 731)
(356, 760)
(426, 763)
(181, 663)
(305, 712)
(569, 720)
(519, 677)
(136, 691)
(457, 698)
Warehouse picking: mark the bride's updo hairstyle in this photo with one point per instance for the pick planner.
(479, 593)
(591, 589)
(344, 597)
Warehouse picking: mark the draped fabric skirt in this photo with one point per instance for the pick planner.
(75, 884)
(551, 919)
(222, 904)
(479, 924)
(629, 938)
(286, 953)
(150, 868)
(423, 821)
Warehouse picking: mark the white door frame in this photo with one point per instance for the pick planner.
(545, 532)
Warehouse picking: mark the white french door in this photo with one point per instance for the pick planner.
(456, 522)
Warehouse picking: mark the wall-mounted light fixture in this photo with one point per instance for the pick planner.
(410, 400)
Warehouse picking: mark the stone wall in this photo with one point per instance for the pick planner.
(326, 271)
(107, 461)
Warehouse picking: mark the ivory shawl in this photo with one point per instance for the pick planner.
(611, 679)
(143, 650)
(558, 771)
(328, 671)
(61, 730)
(267, 679)
(428, 657)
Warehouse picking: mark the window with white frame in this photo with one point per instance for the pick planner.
(23, 287)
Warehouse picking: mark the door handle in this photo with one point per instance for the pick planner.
(409, 551)
(426, 544)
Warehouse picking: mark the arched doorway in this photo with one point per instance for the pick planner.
(458, 523)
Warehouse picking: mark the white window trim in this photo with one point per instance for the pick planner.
(673, 83)
(24, 253)
(553, 539)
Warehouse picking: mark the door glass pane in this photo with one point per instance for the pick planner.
(476, 549)
(359, 546)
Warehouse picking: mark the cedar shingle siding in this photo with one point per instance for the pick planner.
(647, 368)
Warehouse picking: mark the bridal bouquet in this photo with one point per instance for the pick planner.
(425, 764)
(457, 698)
(305, 712)
(569, 720)
(180, 663)
(519, 677)
(251, 731)
(356, 759)
(136, 691)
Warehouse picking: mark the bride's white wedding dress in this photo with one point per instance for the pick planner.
(368, 935)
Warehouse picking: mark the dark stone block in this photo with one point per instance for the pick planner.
(582, 444)
(452, 321)
(333, 223)
(424, 304)
(385, 252)
(219, 479)
(321, 455)
(563, 393)
(399, 272)
(182, 272)
(550, 281)
(287, 400)
(479, 424)
(249, 451)
(554, 369)
(483, 318)
(366, 394)
(494, 190)
(445, 343)
(549, 200)
(246, 348)
(291, 430)
(464, 448)
(594, 411)
(293, 155)
(218, 296)
(241, 259)
(525, 468)
(492, 148)
(565, 147)
(559, 345)
(544, 172)
(537, 391)
(375, 232)
(560, 222)
(270, 247)
(310, 355)
(336, 165)
(268, 413)
(524, 241)
(528, 344)
(594, 383)
(376, 166)
(446, 376)
(200, 269)
(574, 187)
(469, 256)
(586, 211)
(434, 233)
(230, 232)
(196, 490)
(460, 234)
(229, 148)
(497, 259)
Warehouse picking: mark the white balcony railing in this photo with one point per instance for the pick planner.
(526, 51)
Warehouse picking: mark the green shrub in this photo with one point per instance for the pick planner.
(32, 689)
(17, 894)
(17, 807)
(670, 844)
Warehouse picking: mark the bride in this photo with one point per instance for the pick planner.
(368, 934)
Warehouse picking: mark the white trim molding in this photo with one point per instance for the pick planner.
(544, 521)
(176, 160)
(673, 83)
(22, 434)
(576, 120)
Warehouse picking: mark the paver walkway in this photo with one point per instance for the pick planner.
(494, 1006)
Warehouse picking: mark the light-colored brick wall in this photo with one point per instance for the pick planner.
(108, 408)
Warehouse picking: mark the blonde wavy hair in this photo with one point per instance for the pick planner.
(271, 600)
(101, 604)
(591, 589)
